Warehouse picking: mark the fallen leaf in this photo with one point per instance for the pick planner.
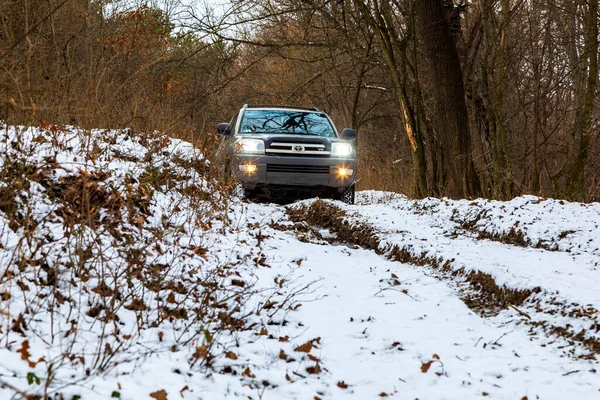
(342, 385)
(248, 373)
(383, 394)
(200, 251)
(231, 355)
(269, 305)
(171, 298)
(425, 366)
(305, 348)
(186, 387)
(238, 282)
(201, 352)
(159, 395)
(24, 351)
(314, 370)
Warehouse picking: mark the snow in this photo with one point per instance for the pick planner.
(431, 226)
(377, 328)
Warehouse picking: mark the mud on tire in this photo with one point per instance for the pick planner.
(348, 195)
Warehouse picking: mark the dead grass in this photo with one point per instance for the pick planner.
(514, 236)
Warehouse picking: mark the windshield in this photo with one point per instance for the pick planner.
(287, 121)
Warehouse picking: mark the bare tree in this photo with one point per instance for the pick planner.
(456, 172)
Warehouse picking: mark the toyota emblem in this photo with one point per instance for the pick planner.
(298, 149)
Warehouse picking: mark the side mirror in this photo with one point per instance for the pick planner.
(223, 129)
(349, 134)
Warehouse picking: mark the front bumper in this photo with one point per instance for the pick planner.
(322, 171)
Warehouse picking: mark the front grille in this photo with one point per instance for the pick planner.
(298, 149)
(298, 169)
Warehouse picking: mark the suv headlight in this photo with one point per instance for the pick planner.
(341, 149)
(250, 146)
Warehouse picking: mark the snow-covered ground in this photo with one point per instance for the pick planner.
(298, 312)
(562, 256)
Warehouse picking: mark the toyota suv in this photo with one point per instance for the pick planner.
(278, 151)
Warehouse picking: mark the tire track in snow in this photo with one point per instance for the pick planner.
(549, 315)
(389, 328)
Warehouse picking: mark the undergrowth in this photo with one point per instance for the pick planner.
(105, 256)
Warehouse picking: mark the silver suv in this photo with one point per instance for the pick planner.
(279, 151)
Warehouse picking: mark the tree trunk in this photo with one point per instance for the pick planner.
(493, 69)
(450, 118)
(394, 52)
(581, 139)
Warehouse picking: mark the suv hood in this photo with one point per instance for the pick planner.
(287, 138)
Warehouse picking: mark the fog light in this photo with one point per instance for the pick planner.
(344, 172)
(248, 168)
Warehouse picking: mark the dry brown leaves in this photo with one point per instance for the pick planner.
(159, 395)
(248, 373)
(425, 366)
(308, 346)
(24, 351)
(314, 370)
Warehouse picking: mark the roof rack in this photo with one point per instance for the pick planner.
(280, 106)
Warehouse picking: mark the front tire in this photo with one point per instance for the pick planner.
(348, 194)
(250, 195)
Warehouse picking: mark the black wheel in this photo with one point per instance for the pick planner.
(348, 195)
(250, 195)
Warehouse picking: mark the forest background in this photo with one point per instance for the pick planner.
(465, 99)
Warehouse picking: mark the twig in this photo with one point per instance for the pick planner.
(13, 388)
(520, 312)
(496, 342)
(22, 38)
(391, 287)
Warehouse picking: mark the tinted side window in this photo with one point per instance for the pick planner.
(233, 122)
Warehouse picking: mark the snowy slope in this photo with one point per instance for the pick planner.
(127, 272)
